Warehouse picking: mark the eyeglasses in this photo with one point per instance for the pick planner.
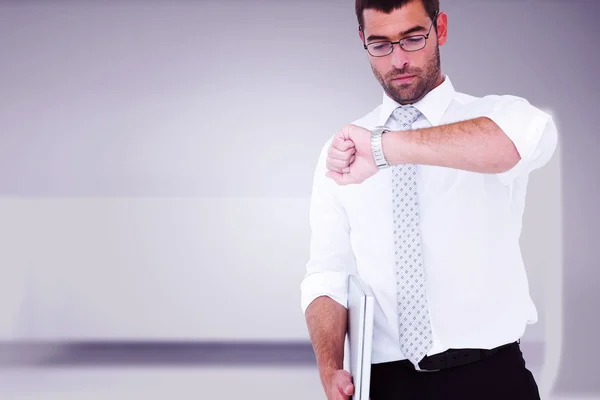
(409, 43)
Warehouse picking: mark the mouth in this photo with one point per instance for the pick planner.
(403, 78)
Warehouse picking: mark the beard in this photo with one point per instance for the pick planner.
(424, 81)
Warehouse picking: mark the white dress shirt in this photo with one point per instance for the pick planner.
(477, 287)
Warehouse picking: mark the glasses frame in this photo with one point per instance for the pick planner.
(401, 41)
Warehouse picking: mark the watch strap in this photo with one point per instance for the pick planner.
(376, 146)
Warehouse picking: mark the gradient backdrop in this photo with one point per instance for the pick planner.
(156, 163)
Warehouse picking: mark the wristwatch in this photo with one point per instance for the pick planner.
(376, 134)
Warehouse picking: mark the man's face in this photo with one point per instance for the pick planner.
(423, 65)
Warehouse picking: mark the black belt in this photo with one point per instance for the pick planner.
(454, 358)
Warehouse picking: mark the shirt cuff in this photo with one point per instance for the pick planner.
(333, 284)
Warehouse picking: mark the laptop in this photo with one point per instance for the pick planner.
(360, 335)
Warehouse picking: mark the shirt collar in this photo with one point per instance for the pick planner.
(432, 106)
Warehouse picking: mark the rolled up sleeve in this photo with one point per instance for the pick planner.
(331, 256)
(532, 131)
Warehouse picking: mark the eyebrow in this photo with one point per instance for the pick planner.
(406, 32)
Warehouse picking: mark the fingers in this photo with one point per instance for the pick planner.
(340, 386)
(345, 385)
(342, 166)
(349, 390)
(341, 150)
(338, 163)
(340, 155)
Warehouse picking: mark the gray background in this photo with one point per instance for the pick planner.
(113, 112)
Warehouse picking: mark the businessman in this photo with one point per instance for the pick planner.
(423, 198)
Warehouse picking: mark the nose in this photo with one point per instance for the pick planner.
(399, 57)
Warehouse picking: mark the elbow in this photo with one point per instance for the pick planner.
(505, 160)
(502, 153)
(510, 158)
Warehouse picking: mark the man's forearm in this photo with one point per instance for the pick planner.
(326, 321)
(477, 145)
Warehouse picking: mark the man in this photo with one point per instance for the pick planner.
(428, 212)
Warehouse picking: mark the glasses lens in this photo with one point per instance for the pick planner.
(379, 49)
(413, 43)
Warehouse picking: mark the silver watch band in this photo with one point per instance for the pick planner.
(376, 147)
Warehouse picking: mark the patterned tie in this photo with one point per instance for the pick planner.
(414, 325)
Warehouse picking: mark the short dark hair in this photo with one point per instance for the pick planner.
(432, 7)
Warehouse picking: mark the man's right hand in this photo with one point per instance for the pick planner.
(350, 156)
(339, 385)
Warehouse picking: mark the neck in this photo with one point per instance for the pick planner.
(438, 81)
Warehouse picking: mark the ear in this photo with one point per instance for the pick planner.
(361, 34)
(442, 28)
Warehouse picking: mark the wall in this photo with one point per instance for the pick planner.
(157, 158)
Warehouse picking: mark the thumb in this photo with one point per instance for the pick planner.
(346, 132)
(338, 139)
(341, 143)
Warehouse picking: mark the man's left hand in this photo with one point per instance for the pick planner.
(350, 158)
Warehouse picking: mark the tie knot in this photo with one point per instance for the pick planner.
(406, 115)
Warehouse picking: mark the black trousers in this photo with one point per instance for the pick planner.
(503, 376)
